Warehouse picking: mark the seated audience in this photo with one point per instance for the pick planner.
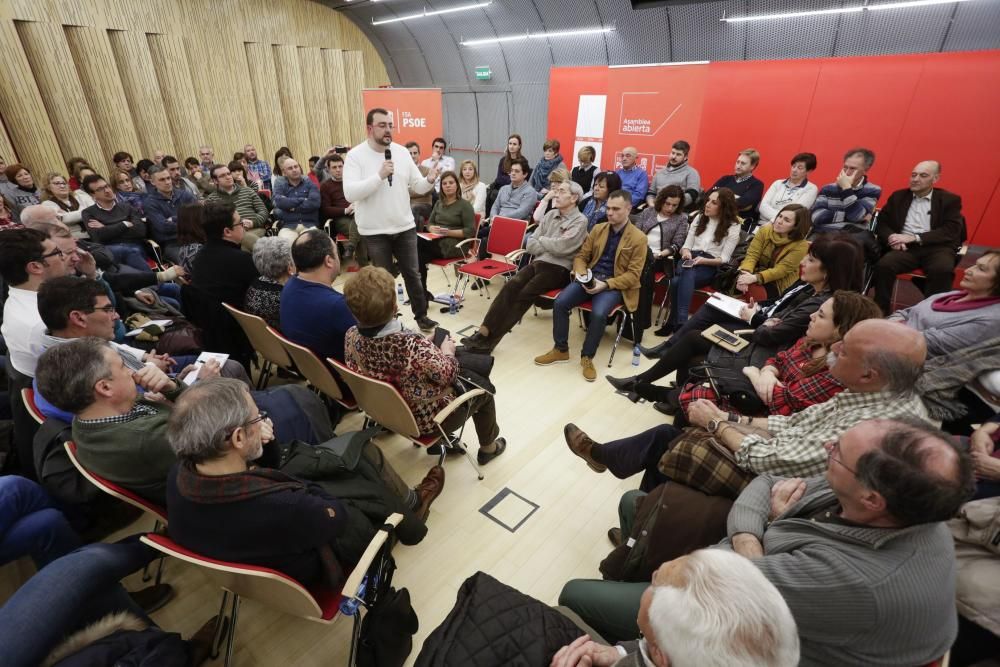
(711, 608)
(962, 388)
(73, 167)
(122, 436)
(27, 259)
(280, 156)
(19, 189)
(473, 190)
(190, 234)
(242, 177)
(125, 191)
(512, 153)
(832, 263)
(612, 257)
(221, 269)
(334, 206)
(518, 199)
(438, 159)
(710, 242)
(747, 188)
(55, 194)
(877, 362)
(865, 539)
(115, 224)
(421, 203)
(558, 176)
(142, 172)
(553, 245)
(313, 313)
(678, 171)
(773, 256)
(257, 166)
(161, 209)
(198, 173)
(551, 158)
(296, 201)
(595, 205)
(583, 173)
(125, 162)
(272, 256)
(850, 199)
(248, 205)
(919, 228)
(180, 181)
(634, 178)
(7, 216)
(452, 221)
(312, 174)
(665, 226)
(75, 611)
(220, 504)
(796, 189)
(380, 347)
(800, 376)
(959, 319)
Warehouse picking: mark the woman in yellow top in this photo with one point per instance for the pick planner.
(772, 260)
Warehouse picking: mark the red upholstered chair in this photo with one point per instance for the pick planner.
(385, 406)
(470, 249)
(28, 397)
(281, 592)
(505, 240)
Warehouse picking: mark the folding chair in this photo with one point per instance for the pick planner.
(588, 307)
(372, 574)
(264, 342)
(314, 371)
(28, 397)
(470, 250)
(124, 495)
(505, 239)
(384, 405)
(156, 261)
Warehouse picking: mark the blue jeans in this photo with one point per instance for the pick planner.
(30, 525)
(572, 296)
(170, 293)
(129, 254)
(682, 288)
(66, 595)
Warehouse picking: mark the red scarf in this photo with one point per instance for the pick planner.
(950, 303)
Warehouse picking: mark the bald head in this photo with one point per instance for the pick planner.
(924, 176)
(38, 213)
(877, 355)
(629, 154)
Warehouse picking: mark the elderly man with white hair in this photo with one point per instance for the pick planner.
(711, 608)
(635, 180)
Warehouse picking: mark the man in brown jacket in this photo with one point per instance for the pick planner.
(606, 272)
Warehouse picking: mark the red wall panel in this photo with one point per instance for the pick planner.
(906, 108)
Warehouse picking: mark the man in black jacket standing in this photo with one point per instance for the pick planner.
(919, 227)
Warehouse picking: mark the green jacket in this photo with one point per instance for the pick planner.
(457, 215)
(775, 259)
(248, 204)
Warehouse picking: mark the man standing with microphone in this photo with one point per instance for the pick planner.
(378, 177)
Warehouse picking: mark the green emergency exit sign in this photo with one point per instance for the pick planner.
(484, 73)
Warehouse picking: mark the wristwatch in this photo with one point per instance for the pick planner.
(713, 425)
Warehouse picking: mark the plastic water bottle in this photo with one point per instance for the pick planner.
(349, 606)
(452, 305)
(399, 292)
(635, 355)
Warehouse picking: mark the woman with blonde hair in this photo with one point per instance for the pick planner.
(67, 205)
(473, 190)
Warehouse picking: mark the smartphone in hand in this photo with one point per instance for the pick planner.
(440, 336)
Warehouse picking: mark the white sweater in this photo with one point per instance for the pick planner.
(378, 208)
(779, 195)
(705, 242)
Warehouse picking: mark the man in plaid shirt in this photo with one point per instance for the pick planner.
(878, 361)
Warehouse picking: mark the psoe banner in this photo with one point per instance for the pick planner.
(416, 113)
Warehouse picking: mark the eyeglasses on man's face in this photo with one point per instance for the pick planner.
(833, 453)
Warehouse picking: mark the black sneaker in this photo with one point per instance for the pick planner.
(426, 324)
(473, 339)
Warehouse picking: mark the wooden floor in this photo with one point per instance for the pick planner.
(563, 539)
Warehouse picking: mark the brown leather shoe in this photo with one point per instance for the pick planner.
(615, 535)
(429, 488)
(202, 641)
(580, 444)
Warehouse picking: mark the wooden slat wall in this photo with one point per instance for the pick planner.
(90, 78)
(335, 88)
(105, 96)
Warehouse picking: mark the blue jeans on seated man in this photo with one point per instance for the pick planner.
(131, 255)
(682, 287)
(572, 296)
(67, 595)
(30, 524)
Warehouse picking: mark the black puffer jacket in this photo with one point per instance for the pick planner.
(493, 625)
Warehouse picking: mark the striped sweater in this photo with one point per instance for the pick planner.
(859, 595)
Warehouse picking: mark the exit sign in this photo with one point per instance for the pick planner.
(484, 73)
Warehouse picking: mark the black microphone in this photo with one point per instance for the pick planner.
(388, 156)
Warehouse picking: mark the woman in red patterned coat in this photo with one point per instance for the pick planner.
(380, 347)
(798, 377)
